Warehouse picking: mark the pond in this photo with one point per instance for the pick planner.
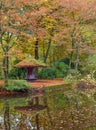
(55, 109)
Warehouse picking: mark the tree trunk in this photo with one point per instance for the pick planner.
(71, 55)
(70, 62)
(6, 65)
(72, 45)
(36, 56)
(6, 46)
(36, 49)
(47, 52)
(77, 56)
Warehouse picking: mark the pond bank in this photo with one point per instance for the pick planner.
(37, 85)
(43, 82)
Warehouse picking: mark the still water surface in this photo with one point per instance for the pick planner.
(53, 110)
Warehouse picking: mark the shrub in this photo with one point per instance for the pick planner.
(59, 74)
(59, 70)
(72, 77)
(47, 73)
(16, 73)
(16, 85)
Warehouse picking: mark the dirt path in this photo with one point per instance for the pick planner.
(43, 83)
(46, 83)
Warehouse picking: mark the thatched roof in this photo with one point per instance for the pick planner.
(30, 62)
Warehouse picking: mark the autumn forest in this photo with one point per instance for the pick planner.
(60, 33)
(47, 64)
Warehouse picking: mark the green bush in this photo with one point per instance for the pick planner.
(17, 73)
(16, 85)
(58, 74)
(59, 70)
(47, 73)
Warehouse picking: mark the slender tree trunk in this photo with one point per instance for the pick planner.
(36, 56)
(48, 50)
(43, 49)
(53, 56)
(36, 49)
(6, 47)
(77, 56)
(70, 62)
(72, 45)
(6, 65)
(0, 20)
(3, 66)
(71, 55)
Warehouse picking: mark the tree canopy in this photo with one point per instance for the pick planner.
(49, 30)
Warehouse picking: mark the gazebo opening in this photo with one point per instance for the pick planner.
(29, 74)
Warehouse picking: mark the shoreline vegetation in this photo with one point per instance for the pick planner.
(40, 86)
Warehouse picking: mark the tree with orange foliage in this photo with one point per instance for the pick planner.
(76, 17)
(18, 18)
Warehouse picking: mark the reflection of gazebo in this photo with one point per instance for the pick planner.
(34, 106)
(30, 64)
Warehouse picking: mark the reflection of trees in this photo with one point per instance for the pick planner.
(34, 107)
(27, 117)
(38, 114)
(37, 121)
(48, 110)
(6, 116)
(81, 115)
(71, 113)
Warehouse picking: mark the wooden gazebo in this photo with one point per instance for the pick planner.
(30, 64)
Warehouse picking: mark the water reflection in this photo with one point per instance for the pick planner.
(34, 105)
(51, 111)
(6, 116)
